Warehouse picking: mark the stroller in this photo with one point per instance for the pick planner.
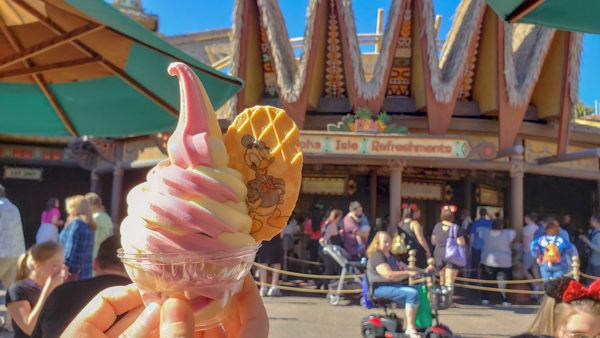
(349, 267)
(389, 325)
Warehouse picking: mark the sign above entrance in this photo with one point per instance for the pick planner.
(388, 146)
(23, 173)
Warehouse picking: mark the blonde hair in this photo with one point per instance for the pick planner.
(94, 201)
(374, 246)
(551, 317)
(40, 253)
(78, 206)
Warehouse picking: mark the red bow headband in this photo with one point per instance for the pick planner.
(452, 208)
(576, 290)
(567, 290)
(412, 206)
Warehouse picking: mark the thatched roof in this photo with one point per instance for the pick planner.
(525, 47)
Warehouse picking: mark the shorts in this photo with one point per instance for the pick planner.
(445, 264)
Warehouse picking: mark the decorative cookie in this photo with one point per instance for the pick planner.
(263, 144)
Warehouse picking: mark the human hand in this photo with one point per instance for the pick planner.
(584, 238)
(248, 320)
(539, 260)
(173, 319)
(56, 279)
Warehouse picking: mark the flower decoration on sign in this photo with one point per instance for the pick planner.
(351, 187)
(365, 121)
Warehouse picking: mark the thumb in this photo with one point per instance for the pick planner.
(176, 319)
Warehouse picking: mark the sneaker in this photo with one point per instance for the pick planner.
(263, 291)
(506, 304)
(274, 292)
(485, 302)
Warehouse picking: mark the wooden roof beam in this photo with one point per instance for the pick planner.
(574, 156)
(50, 67)
(44, 46)
(523, 9)
(57, 29)
(39, 80)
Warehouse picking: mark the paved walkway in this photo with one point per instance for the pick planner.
(308, 317)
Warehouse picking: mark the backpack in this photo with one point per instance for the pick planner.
(399, 246)
(552, 253)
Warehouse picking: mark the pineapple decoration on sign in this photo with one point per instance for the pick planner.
(365, 121)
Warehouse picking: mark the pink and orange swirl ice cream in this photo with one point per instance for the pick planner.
(193, 201)
(187, 230)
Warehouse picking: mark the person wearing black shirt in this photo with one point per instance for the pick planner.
(39, 271)
(67, 300)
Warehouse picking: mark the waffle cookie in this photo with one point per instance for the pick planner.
(263, 144)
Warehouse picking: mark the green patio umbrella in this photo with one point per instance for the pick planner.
(567, 15)
(81, 67)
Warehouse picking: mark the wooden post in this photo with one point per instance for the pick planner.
(373, 195)
(430, 267)
(412, 263)
(396, 168)
(576, 267)
(117, 191)
(517, 173)
(95, 182)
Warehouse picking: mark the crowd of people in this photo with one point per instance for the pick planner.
(483, 248)
(81, 250)
(65, 250)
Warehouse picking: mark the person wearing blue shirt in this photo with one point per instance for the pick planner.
(483, 222)
(78, 237)
(551, 252)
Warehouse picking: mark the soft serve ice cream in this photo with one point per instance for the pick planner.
(193, 201)
(191, 206)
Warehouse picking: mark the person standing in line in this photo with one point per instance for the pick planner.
(568, 226)
(61, 307)
(483, 222)
(312, 229)
(413, 231)
(465, 220)
(104, 225)
(12, 242)
(530, 267)
(271, 255)
(593, 241)
(356, 231)
(441, 232)
(78, 237)
(331, 236)
(40, 270)
(551, 252)
(50, 222)
(496, 257)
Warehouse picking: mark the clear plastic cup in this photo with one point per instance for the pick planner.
(208, 281)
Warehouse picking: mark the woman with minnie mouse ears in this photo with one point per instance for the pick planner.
(569, 310)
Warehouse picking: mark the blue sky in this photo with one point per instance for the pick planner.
(199, 15)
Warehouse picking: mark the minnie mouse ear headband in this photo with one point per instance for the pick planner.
(412, 206)
(566, 290)
(453, 209)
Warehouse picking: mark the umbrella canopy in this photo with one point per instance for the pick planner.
(81, 67)
(567, 15)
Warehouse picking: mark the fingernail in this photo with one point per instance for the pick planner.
(174, 311)
(150, 316)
